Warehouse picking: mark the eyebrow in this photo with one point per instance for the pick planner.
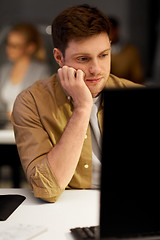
(87, 54)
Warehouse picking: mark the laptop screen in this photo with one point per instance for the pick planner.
(130, 179)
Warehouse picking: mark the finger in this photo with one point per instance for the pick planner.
(71, 75)
(65, 73)
(80, 75)
(60, 74)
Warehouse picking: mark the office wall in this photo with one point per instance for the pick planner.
(44, 11)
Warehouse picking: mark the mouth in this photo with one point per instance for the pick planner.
(93, 80)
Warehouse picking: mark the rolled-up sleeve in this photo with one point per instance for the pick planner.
(44, 184)
(33, 144)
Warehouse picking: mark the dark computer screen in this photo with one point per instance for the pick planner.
(130, 199)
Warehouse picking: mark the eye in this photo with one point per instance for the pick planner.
(104, 55)
(82, 59)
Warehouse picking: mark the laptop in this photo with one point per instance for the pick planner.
(130, 176)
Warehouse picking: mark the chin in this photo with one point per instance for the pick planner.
(96, 92)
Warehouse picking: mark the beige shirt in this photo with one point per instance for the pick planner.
(39, 117)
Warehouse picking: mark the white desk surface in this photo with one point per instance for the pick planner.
(74, 208)
(7, 136)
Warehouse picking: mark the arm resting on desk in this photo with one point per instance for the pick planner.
(38, 130)
(44, 184)
(33, 144)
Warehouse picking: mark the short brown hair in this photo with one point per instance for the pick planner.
(78, 22)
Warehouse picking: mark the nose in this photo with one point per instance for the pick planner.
(95, 68)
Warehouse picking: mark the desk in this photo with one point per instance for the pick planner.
(74, 208)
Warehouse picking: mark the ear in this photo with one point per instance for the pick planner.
(58, 57)
(31, 48)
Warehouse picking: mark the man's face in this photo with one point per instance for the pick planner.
(93, 56)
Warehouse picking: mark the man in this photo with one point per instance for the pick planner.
(57, 136)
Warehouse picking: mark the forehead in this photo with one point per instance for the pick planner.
(16, 36)
(94, 44)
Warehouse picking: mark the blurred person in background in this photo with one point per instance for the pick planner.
(27, 64)
(125, 59)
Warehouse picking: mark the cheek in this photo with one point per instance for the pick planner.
(106, 65)
(15, 55)
(80, 67)
(84, 69)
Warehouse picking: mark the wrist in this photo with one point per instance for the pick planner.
(83, 112)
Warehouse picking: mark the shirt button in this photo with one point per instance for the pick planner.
(85, 137)
(86, 166)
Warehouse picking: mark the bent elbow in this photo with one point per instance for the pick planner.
(44, 188)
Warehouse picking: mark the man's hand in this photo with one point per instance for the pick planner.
(73, 82)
